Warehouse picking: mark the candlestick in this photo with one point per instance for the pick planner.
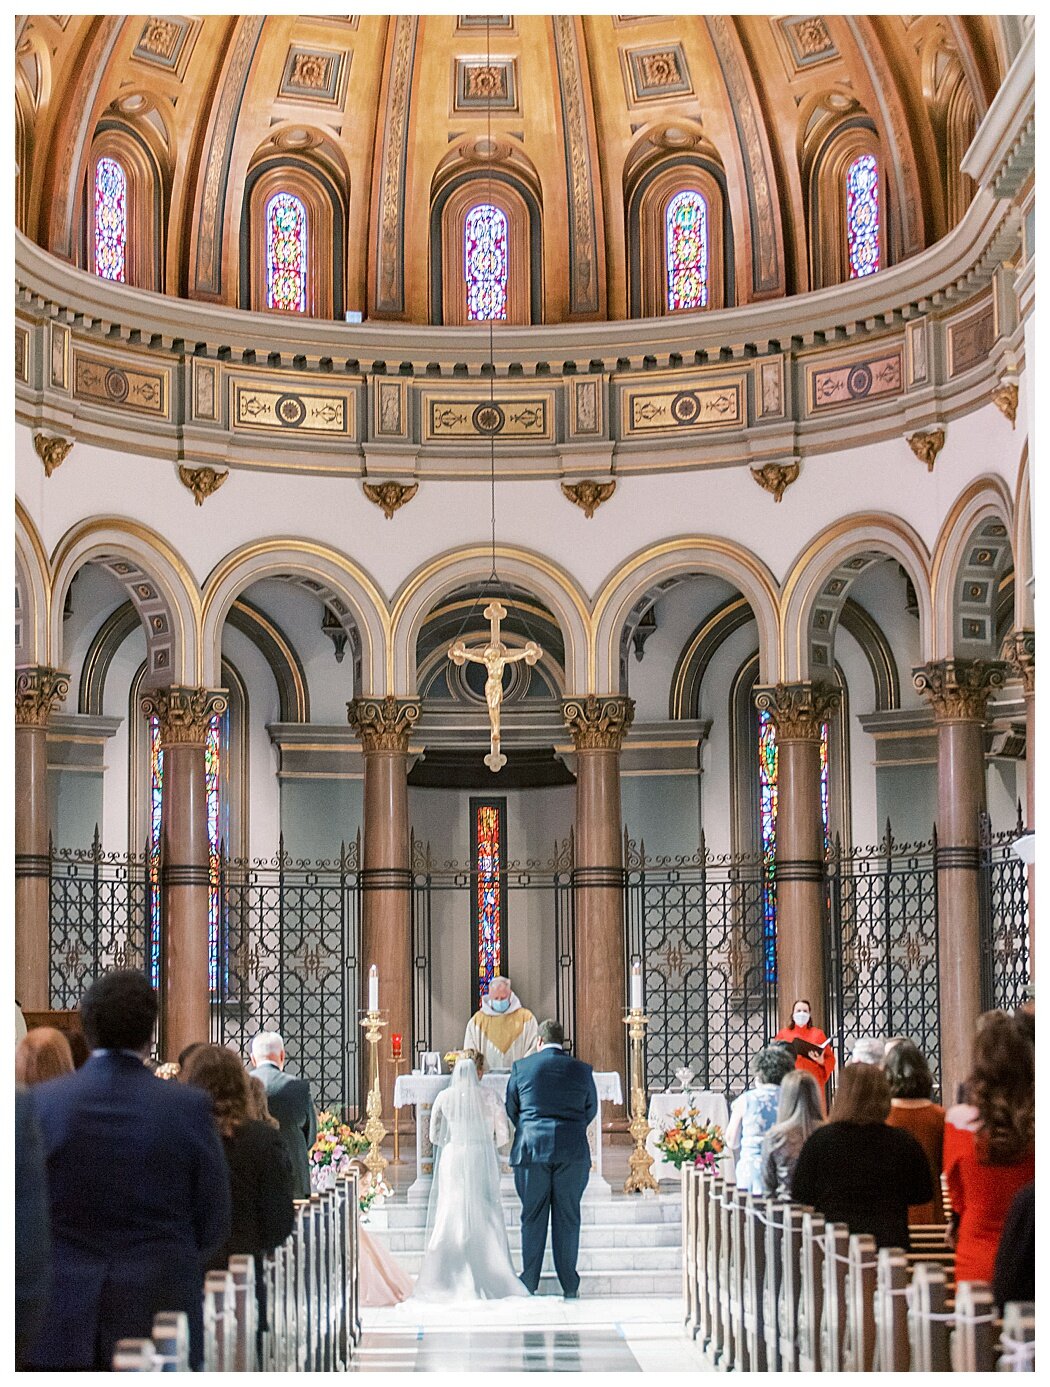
(373, 1023)
(373, 988)
(398, 1061)
(395, 1045)
(641, 1163)
(636, 985)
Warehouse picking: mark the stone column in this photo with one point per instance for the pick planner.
(958, 690)
(1019, 654)
(798, 712)
(598, 727)
(183, 715)
(384, 725)
(38, 690)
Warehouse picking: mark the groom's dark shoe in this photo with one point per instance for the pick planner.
(531, 1290)
(571, 1295)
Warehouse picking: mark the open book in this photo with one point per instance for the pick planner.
(806, 1049)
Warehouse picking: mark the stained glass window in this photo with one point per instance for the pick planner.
(862, 216)
(487, 831)
(485, 263)
(111, 220)
(286, 253)
(687, 251)
(768, 768)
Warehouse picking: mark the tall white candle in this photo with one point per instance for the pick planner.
(373, 988)
(636, 985)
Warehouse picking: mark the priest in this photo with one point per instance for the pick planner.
(502, 1029)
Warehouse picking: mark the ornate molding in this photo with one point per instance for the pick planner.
(1019, 654)
(958, 690)
(390, 241)
(584, 294)
(202, 481)
(927, 445)
(52, 450)
(383, 724)
(183, 712)
(776, 477)
(798, 711)
(390, 496)
(1005, 399)
(38, 691)
(588, 495)
(598, 723)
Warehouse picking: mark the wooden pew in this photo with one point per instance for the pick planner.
(737, 1215)
(219, 1322)
(1017, 1341)
(690, 1280)
(836, 1248)
(861, 1276)
(973, 1341)
(755, 1213)
(788, 1301)
(134, 1356)
(725, 1358)
(928, 1320)
(776, 1213)
(891, 1311)
(714, 1252)
(811, 1297)
(245, 1309)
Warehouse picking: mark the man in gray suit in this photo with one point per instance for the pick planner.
(289, 1101)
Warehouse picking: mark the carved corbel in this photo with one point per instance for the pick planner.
(926, 446)
(202, 481)
(51, 450)
(588, 495)
(1005, 399)
(776, 477)
(390, 496)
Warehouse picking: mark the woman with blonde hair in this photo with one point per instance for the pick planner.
(43, 1053)
(799, 1114)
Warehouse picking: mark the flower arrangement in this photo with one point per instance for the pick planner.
(371, 1193)
(335, 1147)
(690, 1141)
(451, 1056)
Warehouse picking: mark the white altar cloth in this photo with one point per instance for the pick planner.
(420, 1090)
(712, 1107)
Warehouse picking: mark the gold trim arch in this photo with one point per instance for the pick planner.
(987, 498)
(269, 558)
(33, 574)
(1024, 597)
(111, 536)
(698, 555)
(854, 534)
(538, 575)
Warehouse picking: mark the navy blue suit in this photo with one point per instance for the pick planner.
(140, 1199)
(551, 1098)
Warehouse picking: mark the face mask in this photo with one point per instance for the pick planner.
(800, 1018)
(501, 1005)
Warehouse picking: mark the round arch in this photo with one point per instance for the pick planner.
(683, 557)
(985, 502)
(32, 593)
(1024, 605)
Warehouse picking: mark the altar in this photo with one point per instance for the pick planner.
(711, 1106)
(420, 1090)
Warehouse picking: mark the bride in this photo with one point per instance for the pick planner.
(467, 1255)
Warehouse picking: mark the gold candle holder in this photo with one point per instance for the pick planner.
(641, 1173)
(375, 1161)
(398, 1062)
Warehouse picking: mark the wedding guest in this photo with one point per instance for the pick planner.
(259, 1107)
(813, 1054)
(20, 1022)
(913, 1110)
(869, 1049)
(42, 1054)
(856, 1170)
(79, 1046)
(1014, 1276)
(381, 1279)
(799, 1113)
(989, 1143)
(290, 1102)
(32, 1229)
(754, 1112)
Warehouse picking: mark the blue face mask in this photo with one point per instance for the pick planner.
(501, 1005)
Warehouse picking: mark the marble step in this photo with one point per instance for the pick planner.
(602, 1261)
(623, 1235)
(661, 1209)
(619, 1284)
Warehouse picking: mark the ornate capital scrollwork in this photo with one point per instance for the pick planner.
(183, 712)
(598, 723)
(1019, 654)
(52, 451)
(958, 690)
(38, 691)
(202, 481)
(383, 724)
(776, 477)
(798, 711)
(390, 496)
(588, 495)
(926, 446)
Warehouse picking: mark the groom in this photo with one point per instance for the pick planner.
(550, 1099)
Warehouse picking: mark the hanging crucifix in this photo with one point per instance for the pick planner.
(495, 657)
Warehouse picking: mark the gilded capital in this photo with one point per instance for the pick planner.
(596, 723)
(184, 713)
(38, 691)
(798, 711)
(383, 724)
(958, 690)
(1019, 653)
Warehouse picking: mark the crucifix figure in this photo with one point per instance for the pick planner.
(495, 657)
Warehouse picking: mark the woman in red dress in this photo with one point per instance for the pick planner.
(802, 1035)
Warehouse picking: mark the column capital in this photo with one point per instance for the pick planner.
(1019, 654)
(958, 690)
(798, 711)
(383, 724)
(184, 712)
(38, 691)
(598, 722)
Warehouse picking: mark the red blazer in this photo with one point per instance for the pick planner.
(980, 1194)
(815, 1036)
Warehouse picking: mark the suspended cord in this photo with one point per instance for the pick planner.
(492, 368)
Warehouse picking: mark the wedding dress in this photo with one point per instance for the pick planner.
(467, 1254)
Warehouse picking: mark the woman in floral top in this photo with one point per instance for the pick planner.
(754, 1112)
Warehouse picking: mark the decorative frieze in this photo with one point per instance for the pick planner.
(1019, 655)
(841, 384)
(383, 724)
(970, 338)
(39, 690)
(598, 723)
(798, 711)
(280, 407)
(648, 409)
(456, 417)
(958, 690)
(132, 388)
(184, 713)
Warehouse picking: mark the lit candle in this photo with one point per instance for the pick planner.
(373, 988)
(395, 1045)
(636, 985)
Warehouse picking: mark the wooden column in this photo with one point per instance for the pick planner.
(958, 690)
(184, 715)
(38, 690)
(1019, 654)
(798, 712)
(598, 726)
(384, 725)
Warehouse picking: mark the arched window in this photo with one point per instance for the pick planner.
(488, 831)
(687, 251)
(111, 220)
(862, 215)
(286, 238)
(486, 263)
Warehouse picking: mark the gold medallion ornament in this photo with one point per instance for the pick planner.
(589, 495)
(390, 496)
(776, 477)
(495, 657)
(52, 451)
(926, 446)
(202, 481)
